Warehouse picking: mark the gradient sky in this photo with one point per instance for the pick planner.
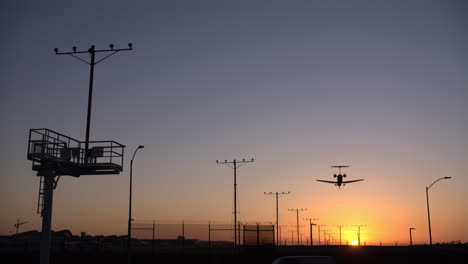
(298, 85)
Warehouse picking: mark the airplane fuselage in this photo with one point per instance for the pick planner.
(339, 180)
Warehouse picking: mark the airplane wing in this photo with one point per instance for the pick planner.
(332, 182)
(353, 181)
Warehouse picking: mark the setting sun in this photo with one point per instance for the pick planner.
(354, 243)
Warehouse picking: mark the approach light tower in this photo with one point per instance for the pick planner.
(235, 165)
(54, 155)
(277, 195)
(92, 53)
(297, 216)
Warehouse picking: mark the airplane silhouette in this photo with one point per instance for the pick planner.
(339, 181)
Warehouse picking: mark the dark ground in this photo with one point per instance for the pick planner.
(345, 254)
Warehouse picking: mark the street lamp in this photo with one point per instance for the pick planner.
(427, 199)
(129, 248)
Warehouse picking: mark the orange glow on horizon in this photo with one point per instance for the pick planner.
(354, 243)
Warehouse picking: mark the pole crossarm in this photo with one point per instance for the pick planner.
(235, 163)
(92, 50)
(280, 194)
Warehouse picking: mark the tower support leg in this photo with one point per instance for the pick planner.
(47, 218)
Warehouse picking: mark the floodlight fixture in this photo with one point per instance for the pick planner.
(141, 146)
(56, 50)
(130, 45)
(74, 49)
(111, 46)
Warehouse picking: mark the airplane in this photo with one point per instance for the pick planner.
(339, 181)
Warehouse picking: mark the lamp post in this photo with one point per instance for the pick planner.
(129, 238)
(427, 200)
(410, 236)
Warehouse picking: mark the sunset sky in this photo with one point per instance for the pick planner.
(299, 86)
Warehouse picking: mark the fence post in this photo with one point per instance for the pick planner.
(152, 244)
(183, 234)
(274, 238)
(238, 233)
(258, 234)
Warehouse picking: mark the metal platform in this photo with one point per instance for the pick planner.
(49, 150)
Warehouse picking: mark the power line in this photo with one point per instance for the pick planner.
(235, 165)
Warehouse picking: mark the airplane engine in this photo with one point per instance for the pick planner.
(344, 175)
(334, 175)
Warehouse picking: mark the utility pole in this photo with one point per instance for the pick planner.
(277, 195)
(297, 215)
(235, 165)
(92, 52)
(310, 227)
(410, 236)
(18, 224)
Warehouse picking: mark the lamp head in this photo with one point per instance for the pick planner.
(446, 177)
(111, 46)
(74, 49)
(56, 50)
(130, 45)
(141, 146)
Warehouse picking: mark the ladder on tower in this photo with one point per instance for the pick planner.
(40, 200)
